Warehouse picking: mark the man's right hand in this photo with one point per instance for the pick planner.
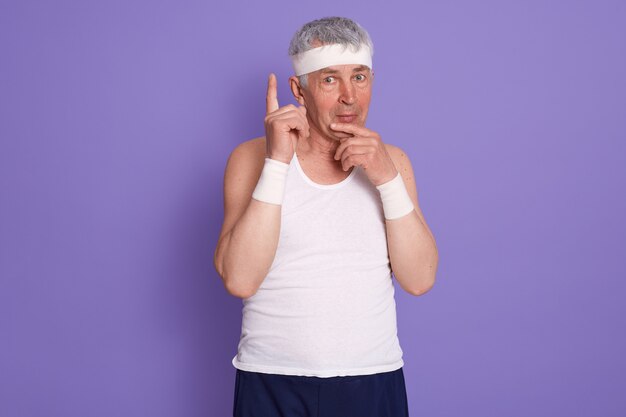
(284, 126)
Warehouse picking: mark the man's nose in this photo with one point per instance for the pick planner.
(348, 94)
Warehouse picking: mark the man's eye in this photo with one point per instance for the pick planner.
(328, 79)
(362, 77)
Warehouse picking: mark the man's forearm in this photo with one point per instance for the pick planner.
(412, 252)
(245, 254)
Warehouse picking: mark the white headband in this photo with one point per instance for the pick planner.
(327, 55)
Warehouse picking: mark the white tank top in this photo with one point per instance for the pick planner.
(326, 307)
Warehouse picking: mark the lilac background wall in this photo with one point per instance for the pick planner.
(117, 118)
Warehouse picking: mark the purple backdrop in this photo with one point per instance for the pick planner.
(117, 118)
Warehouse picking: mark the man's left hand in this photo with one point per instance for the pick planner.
(365, 149)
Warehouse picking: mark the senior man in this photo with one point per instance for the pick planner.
(317, 215)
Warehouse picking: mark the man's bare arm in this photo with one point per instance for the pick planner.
(412, 248)
(249, 237)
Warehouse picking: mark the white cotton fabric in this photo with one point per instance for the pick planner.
(329, 55)
(271, 185)
(395, 197)
(326, 307)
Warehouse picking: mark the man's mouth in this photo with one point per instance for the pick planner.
(346, 118)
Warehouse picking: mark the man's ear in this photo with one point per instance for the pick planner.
(296, 89)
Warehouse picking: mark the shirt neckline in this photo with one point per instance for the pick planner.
(323, 186)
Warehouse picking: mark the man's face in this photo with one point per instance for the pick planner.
(338, 94)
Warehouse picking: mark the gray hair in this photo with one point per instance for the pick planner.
(328, 30)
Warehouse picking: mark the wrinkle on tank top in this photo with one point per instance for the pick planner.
(326, 307)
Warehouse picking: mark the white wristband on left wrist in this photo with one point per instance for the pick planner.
(396, 200)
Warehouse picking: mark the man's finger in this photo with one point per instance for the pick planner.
(271, 101)
(289, 108)
(354, 143)
(350, 128)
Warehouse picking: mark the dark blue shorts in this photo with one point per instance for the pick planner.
(270, 395)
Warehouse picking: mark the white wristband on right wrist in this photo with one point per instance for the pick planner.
(396, 200)
(271, 185)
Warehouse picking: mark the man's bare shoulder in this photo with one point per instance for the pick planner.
(403, 164)
(391, 148)
(247, 159)
(250, 149)
(243, 170)
(244, 167)
(398, 156)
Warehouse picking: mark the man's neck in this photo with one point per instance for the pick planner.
(318, 147)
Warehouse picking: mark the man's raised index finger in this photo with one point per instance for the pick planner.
(271, 100)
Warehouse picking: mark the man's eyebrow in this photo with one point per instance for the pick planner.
(334, 71)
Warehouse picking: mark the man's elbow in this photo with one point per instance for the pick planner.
(426, 281)
(424, 289)
(239, 291)
(421, 290)
(422, 285)
(237, 288)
